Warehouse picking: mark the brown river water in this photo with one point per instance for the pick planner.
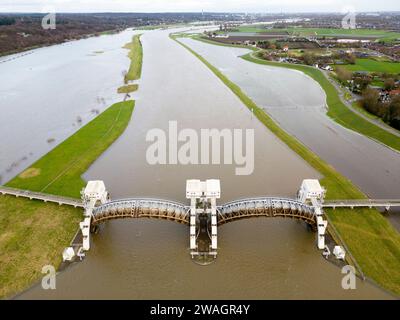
(149, 259)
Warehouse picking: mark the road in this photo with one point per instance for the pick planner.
(349, 105)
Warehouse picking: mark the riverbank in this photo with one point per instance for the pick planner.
(337, 110)
(372, 240)
(59, 172)
(128, 88)
(33, 233)
(136, 56)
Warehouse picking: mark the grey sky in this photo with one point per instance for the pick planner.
(197, 5)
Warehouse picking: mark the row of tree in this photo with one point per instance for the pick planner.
(311, 58)
(265, 44)
(6, 21)
(308, 57)
(358, 82)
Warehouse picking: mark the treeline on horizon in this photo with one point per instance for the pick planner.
(22, 31)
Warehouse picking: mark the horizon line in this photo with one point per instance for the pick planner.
(203, 12)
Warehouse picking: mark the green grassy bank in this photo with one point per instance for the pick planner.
(128, 88)
(337, 110)
(136, 56)
(59, 172)
(32, 235)
(372, 240)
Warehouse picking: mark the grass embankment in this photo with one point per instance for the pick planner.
(135, 68)
(337, 110)
(136, 56)
(372, 240)
(32, 235)
(128, 88)
(59, 172)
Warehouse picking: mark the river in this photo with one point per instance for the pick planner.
(147, 259)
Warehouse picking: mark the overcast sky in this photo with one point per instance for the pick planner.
(198, 5)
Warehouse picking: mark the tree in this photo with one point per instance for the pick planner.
(309, 58)
(389, 84)
(394, 112)
(7, 21)
(362, 81)
(267, 56)
(370, 101)
(343, 74)
(350, 58)
(264, 44)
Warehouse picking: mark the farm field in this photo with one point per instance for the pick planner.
(371, 65)
(328, 32)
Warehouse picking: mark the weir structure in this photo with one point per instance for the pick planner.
(203, 197)
(202, 215)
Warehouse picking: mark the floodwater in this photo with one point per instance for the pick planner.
(47, 94)
(298, 104)
(138, 259)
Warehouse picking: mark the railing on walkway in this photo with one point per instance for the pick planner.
(363, 203)
(77, 203)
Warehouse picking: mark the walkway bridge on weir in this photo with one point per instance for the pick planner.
(202, 215)
(32, 195)
(366, 203)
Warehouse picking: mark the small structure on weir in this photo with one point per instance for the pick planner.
(312, 192)
(203, 197)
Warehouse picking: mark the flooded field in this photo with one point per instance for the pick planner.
(47, 94)
(298, 104)
(139, 259)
